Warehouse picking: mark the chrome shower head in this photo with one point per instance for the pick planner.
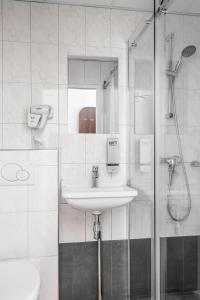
(186, 52)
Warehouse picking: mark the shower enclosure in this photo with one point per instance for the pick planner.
(164, 151)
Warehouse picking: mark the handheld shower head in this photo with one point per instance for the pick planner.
(186, 52)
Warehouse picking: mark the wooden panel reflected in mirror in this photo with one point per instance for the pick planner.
(87, 120)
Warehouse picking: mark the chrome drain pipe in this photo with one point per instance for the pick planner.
(97, 237)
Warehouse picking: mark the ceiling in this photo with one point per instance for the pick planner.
(179, 6)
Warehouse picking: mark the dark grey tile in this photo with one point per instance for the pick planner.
(190, 265)
(187, 296)
(78, 271)
(179, 265)
(65, 271)
(106, 269)
(140, 268)
(119, 270)
(141, 298)
(85, 271)
(174, 264)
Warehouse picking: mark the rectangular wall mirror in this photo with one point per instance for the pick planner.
(93, 104)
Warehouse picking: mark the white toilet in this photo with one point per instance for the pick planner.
(19, 280)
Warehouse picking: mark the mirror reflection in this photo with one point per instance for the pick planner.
(93, 95)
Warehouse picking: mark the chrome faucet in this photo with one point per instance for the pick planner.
(95, 176)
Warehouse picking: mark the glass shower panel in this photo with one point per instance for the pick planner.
(141, 158)
(178, 150)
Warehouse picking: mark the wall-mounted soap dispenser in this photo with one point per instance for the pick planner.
(112, 155)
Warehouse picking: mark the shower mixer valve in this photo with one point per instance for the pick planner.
(172, 163)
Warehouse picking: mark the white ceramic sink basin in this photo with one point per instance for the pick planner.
(98, 199)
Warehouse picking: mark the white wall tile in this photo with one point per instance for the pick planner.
(72, 25)
(191, 107)
(140, 219)
(97, 27)
(120, 223)
(43, 234)
(193, 177)
(71, 172)
(43, 195)
(106, 225)
(175, 25)
(191, 32)
(121, 55)
(96, 148)
(46, 94)
(71, 225)
(123, 140)
(16, 100)
(43, 157)
(1, 136)
(123, 106)
(191, 72)
(16, 70)
(13, 199)
(47, 138)
(44, 23)
(122, 25)
(1, 58)
(98, 51)
(63, 104)
(89, 222)
(140, 180)
(48, 268)
(16, 136)
(44, 63)
(72, 148)
(1, 103)
(191, 143)
(13, 155)
(1, 20)
(16, 21)
(120, 178)
(13, 235)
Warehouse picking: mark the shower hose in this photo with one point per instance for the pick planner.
(189, 200)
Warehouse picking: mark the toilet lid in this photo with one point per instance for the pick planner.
(19, 280)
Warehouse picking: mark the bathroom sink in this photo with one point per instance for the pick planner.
(97, 199)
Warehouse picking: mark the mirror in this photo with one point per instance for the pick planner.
(93, 95)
